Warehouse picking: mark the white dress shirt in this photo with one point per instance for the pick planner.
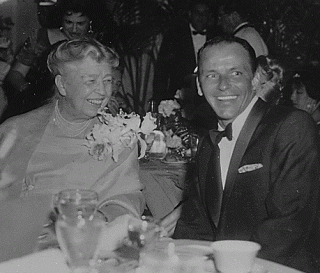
(198, 41)
(226, 146)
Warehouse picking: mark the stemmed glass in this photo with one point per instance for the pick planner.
(78, 228)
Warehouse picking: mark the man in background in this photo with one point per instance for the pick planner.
(234, 19)
(178, 53)
(178, 58)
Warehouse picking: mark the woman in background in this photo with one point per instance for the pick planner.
(268, 79)
(305, 91)
(28, 83)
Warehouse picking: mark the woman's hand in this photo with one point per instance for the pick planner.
(47, 238)
(115, 233)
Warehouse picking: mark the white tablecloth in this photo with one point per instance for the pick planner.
(52, 261)
(163, 184)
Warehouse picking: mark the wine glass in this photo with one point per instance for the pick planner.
(78, 228)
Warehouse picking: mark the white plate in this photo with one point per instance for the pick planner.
(202, 248)
(193, 250)
(174, 162)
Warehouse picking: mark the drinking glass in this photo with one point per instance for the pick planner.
(78, 228)
(143, 234)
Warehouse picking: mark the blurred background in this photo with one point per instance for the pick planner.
(290, 28)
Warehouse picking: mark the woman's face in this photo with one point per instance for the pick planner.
(300, 98)
(87, 86)
(75, 25)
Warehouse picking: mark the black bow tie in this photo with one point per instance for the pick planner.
(194, 32)
(226, 133)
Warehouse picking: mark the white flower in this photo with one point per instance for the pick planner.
(166, 107)
(117, 133)
(148, 124)
(172, 141)
(179, 94)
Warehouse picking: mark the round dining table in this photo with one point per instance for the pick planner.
(126, 260)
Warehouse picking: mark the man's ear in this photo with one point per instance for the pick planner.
(60, 85)
(198, 87)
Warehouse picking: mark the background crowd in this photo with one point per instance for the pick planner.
(216, 60)
(140, 31)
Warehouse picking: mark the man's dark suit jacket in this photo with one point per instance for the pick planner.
(176, 60)
(275, 205)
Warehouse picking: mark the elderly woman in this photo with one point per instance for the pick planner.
(28, 83)
(44, 151)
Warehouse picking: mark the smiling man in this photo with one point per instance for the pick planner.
(261, 181)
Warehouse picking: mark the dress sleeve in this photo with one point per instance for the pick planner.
(126, 192)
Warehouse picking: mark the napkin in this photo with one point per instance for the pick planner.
(49, 261)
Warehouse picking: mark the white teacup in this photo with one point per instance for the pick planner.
(234, 256)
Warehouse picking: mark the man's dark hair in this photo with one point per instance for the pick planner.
(230, 39)
(193, 3)
(241, 7)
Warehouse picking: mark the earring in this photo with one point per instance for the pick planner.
(61, 29)
(90, 31)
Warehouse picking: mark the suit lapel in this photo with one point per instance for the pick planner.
(205, 151)
(214, 189)
(243, 140)
(210, 177)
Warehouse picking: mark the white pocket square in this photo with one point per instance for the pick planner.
(250, 168)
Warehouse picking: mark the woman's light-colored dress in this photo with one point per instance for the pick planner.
(49, 155)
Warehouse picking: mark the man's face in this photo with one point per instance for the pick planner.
(75, 25)
(226, 80)
(199, 16)
(225, 21)
(88, 86)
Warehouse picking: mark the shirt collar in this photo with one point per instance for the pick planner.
(241, 25)
(193, 29)
(239, 121)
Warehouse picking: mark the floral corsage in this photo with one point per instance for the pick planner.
(117, 133)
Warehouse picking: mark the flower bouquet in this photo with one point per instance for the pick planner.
(179, 138)
(119, 132)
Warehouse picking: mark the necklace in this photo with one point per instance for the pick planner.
(70, 129)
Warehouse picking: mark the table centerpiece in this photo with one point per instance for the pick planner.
(180, 139)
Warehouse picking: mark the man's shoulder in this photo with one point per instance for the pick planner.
(288, 117)
(248, 30)
(284, 111)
